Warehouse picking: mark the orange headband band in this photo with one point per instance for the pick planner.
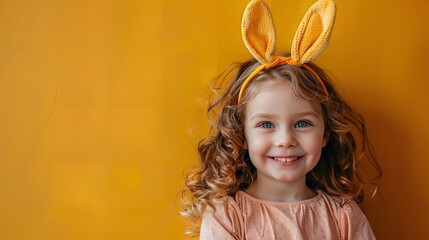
(279, 60)
(311, 37)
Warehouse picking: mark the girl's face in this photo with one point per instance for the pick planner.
(284, 134)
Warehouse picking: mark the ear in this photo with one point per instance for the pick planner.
(245, 143)
(314, 31)
(258, 32)
(245, 146)
(325, 139)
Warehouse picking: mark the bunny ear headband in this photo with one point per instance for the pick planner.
(311, 37)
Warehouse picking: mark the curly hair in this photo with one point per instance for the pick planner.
(225, 167)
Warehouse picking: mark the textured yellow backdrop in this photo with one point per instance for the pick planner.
(101, 106)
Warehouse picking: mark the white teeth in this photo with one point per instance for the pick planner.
(286, 159)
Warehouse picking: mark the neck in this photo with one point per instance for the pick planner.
(280, 191)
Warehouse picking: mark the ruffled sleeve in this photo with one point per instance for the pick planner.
(353, 223)
(223, 222)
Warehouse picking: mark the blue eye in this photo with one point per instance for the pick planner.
(266, 125)
(302, 124)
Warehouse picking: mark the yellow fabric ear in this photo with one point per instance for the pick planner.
(258, 32)
(314, 31)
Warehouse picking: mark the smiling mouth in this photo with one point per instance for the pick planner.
(286, 159)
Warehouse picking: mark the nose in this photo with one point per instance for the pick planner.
(285, 138)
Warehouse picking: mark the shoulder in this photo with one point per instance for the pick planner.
(351, 220)
(350, 209)
(336, 203)
(222, 221)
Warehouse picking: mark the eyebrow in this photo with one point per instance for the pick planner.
(299, 114)
(262, 115)
(310, 113)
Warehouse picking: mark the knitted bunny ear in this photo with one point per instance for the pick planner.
(258, 32)
(314, 31)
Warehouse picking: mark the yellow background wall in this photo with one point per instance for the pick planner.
(97, 99)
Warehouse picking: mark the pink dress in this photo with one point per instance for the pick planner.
(321, 217)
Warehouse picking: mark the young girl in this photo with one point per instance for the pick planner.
(281, 161)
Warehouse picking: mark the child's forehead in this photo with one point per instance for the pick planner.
(268, 86)
(278, 95)
(265, 84)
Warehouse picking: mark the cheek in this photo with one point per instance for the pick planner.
(256, 144)
(314, 144)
